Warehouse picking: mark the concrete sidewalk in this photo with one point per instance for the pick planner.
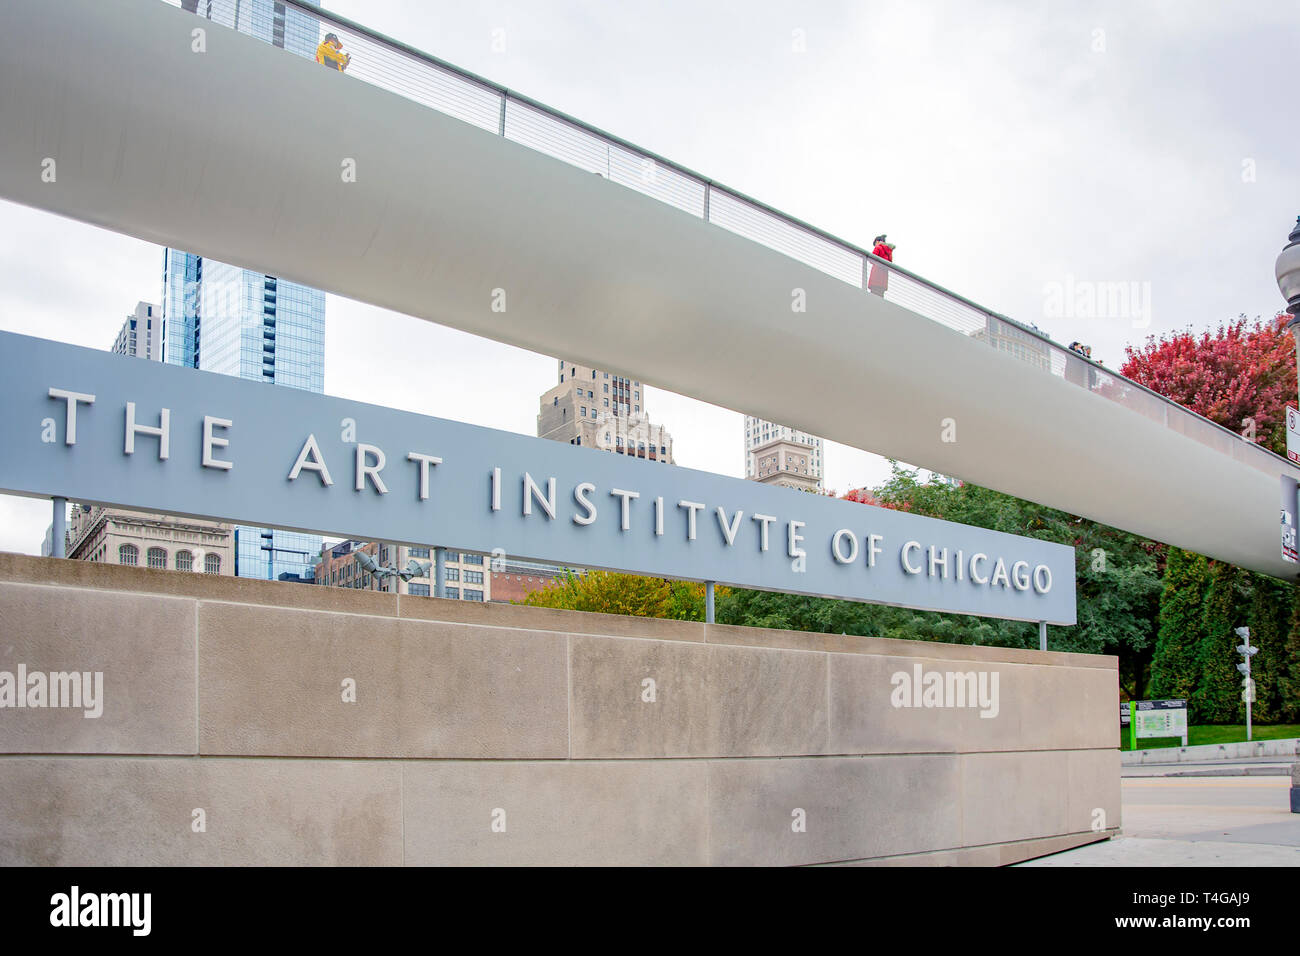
(1139, 851)
(1197, 821)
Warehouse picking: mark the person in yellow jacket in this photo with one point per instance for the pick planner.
(330, 54)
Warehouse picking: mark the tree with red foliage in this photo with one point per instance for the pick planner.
(1239, 374)
(865, 496)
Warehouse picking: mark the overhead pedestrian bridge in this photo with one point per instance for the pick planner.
(413, 185)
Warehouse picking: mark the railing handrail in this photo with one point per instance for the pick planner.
(710, 184)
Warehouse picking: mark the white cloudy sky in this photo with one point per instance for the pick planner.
(1004, 146)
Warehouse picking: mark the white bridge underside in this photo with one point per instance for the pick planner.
(158, 142)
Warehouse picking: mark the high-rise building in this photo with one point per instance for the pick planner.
(785, 463)
(269, 21)
(1016, 342)
(141, 334)
(760, 432)
(595, 409)
(222, 318)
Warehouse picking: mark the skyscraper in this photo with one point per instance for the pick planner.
(141, 334)
(222, 318)
(591, 408)
(759, 433)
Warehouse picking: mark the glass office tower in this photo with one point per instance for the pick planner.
(221, 318)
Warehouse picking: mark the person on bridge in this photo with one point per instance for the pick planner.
(330, 54)
(878, 281)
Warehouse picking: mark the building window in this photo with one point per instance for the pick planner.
(593, 373)
(606, 388)
(473, 577)
(157, 559)
(584, 411)
(453, 574)
(472, 559)
(453, 556)
(419, 552)
(420, 590)
(184, 561)
(472, 594)
(453, 593)
(212, 564)
(128, 554)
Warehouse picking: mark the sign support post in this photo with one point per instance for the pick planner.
(1042, 635)
(58, 533)
(708, 602)
(440, 572)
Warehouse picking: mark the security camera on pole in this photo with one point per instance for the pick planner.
(1247, 683)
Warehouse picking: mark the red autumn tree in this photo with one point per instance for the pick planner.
(865, 496)
(1243, 372)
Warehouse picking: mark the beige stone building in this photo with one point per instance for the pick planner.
(595, 409)
(469, 575)
(759, 432)
(787, 463)
(149, 540)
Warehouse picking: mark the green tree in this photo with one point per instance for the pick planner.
(1268, 617)
(1118, 574)
(1217, 697)
(1288, 675)
(608, 592)
(1181, 623)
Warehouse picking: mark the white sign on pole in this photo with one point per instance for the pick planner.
(1289, 505)
(1293, 433)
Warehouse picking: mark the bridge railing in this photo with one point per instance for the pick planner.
(299, 26)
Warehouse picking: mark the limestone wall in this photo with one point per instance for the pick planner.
(490, 734)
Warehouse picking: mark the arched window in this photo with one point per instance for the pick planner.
(212, 564)
(157, 559)
(184, 561)
(128, 554)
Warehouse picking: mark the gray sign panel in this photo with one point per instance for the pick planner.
(96, 427)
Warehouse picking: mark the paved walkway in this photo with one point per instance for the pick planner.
(1197, 821)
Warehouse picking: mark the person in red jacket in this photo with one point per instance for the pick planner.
(878, 281)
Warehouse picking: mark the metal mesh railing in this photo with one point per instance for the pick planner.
(298, 26)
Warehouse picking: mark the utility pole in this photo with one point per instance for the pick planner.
(1247, 683)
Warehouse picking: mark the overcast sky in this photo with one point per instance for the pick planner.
(1012, 151)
